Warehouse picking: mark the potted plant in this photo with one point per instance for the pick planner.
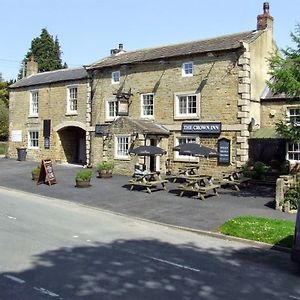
(35, 172)
(83, 178)
(105, 169)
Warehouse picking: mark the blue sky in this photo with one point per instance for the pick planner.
(88, 29)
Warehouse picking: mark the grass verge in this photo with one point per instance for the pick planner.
(3, 148)
(271, 231)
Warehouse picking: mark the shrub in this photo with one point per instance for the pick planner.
(257, 170)
(84, 175)
(105, 165)
(260, 170)
(36, 170)
(292, 196)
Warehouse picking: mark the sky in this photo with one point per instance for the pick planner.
(88, 29)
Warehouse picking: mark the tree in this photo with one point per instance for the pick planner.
(3, 109)
(285, 72)
(3, 121)
(46, 52)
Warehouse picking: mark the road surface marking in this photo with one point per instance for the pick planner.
(294, 297)
(167, 262)
(46, 292)
(10, 217)
(173, 264)
(16, 279)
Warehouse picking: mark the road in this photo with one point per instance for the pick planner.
(54, 249)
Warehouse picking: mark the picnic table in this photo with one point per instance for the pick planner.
(186, 173)
(148, 180)
(234, 179)
(200, 185)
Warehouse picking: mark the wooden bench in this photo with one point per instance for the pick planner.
(148, 181)
(201, 186)
(235, 180)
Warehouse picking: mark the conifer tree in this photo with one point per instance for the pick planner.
(46, 52)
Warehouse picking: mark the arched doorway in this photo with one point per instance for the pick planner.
(73, 144)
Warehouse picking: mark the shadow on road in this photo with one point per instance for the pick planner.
(151, 269)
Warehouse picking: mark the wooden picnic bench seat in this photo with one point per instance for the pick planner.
(234, 179)
(200, 186)
(148, 181)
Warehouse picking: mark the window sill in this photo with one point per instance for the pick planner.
(126, 158)
(147, 117)
(33, 116)
(185, 117)
(71, 114)
(192, 159)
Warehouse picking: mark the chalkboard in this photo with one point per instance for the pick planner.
(47, 173)
(224, 151)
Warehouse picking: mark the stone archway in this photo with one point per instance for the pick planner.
(72, 138)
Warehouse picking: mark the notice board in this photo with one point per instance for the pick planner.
(46, 173)
(224, 151)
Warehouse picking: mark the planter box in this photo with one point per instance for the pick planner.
(82, 184)
(105, 173)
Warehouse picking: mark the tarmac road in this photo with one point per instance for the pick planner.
(160, 206)
(58, 249)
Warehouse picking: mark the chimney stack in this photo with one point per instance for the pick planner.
(117, 50)
(31, 67)
(265, 20)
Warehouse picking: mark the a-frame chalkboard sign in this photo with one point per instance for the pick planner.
(46, 173)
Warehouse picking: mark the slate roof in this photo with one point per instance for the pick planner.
(150, 127)
(266, 133)
(142, 126)
(51, 77)
(226, 42)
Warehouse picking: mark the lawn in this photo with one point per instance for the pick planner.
(3, 147)
(271, 231)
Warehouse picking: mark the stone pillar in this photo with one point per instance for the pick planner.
(88, 123)
(244, 91)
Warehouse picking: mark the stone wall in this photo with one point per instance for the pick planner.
(52, 105)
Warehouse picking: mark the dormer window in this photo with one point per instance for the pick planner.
(115, 77)
(187, 69)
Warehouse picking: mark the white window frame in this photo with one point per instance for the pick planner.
(113, 102)
(71, 110)
(185, 158)
(120, 150)
(33, 139)
(290, 154)
(143, 105)
(297, 115)
(187, 69)
(115, 77)
(187, 115)
(34, 103)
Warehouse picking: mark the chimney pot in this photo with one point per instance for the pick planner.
(266, 8)
(121, 47)
(265, 20)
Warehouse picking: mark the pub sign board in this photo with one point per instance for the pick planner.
(101, 128)
(224, 151)
(201, 127)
